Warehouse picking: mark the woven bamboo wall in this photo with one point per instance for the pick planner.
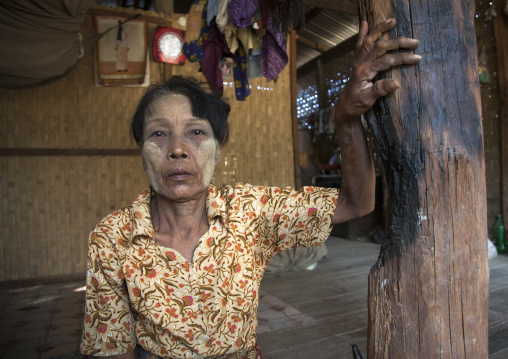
(51, 202)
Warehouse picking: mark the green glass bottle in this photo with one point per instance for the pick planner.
(499, 235)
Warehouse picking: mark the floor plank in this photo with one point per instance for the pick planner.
(333, 298)
(314, 314)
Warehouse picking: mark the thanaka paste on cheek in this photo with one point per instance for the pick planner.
(206, 159)
(152, 162)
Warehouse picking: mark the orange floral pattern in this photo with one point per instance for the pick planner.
(140, 292)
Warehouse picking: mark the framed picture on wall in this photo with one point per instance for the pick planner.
(121, 54)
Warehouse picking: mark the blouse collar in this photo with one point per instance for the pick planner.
(142, 221)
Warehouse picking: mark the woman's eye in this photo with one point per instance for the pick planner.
(158, 134)
(197, 132)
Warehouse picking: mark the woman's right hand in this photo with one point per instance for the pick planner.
(373, 55)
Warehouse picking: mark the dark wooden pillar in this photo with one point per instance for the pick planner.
(501, 38)
(428, 292)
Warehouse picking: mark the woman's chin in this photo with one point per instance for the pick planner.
(182, 192)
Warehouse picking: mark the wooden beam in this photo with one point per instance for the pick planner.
(320, 80)
(332, 54)
(501, 39)
(314, 45)
(310, 16)
(428, 291)
(24, 152)
(337, 5)
(164, 6)
(294, 115)
(103, 10)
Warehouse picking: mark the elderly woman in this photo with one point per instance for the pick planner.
(177, 273)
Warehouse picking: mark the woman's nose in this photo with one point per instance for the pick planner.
(178, 150)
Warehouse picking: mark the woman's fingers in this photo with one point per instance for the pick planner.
(369, 92)
(367, 71)
(377, 33)
(375, 54)
(364, 30)
(383, 46)
(382, 88)
(390, 60)
(376, 47)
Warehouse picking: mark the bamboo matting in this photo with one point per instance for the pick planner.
(51, 203)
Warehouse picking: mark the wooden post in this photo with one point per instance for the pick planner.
(428, 292)
(320, 81)
(294, 115)
(501, 36)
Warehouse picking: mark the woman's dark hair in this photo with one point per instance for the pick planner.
(204, 104)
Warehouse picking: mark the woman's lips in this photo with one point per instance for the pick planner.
(179, 174)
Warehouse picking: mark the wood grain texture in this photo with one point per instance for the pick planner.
(501, 41)
(428, 291)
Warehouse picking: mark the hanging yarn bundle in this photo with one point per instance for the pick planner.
(287, 15)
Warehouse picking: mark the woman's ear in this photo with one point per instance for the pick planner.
(218, 152)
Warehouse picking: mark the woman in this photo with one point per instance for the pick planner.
(176, 274)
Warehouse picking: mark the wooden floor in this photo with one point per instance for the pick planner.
(314, 314)
(328, 306)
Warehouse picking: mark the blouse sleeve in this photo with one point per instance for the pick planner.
(295, 218)
(108, 327)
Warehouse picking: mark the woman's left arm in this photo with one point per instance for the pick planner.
(356, 196)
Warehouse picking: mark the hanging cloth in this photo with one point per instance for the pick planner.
(274, 55)
(196, 32)
(241, 12)
(214, 50)
(222, 16)
(254, 65)
(40, 41)
(285, 14)
(277, 18)
(247, 36)
(212, 11)
(242, 89)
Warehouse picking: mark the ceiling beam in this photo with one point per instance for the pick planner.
(337, 5)
(312, 14)
(313, 44)
(332, 54)
(309, 16)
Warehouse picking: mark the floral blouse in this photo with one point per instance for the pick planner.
(138, 292)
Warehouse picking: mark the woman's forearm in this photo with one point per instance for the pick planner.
(356, 196)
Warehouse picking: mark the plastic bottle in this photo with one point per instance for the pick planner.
(499, 235)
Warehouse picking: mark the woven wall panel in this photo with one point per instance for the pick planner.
(260, 148)
(50, 203)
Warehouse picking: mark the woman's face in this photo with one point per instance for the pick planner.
(179, 151)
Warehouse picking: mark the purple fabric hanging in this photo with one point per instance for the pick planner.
(241, 12)
(215, 49)
(274, 55)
